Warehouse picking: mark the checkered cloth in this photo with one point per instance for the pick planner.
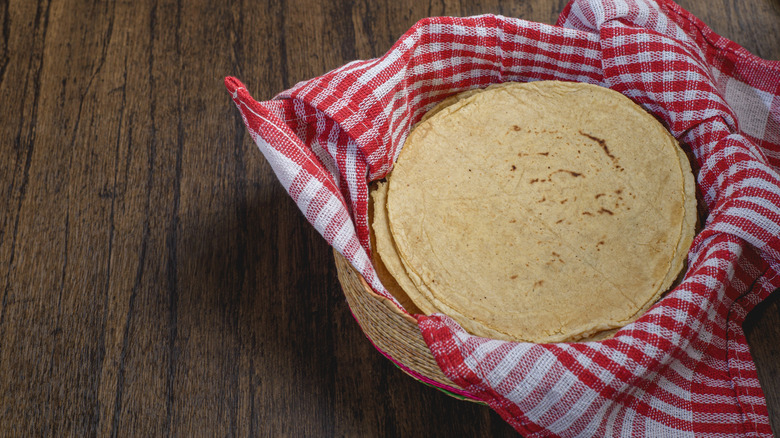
(684, 368)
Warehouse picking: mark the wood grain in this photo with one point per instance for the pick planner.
(155, 278)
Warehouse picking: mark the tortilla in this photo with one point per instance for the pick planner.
(542, 212)
(387, 264)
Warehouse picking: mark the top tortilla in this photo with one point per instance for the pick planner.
(542, 212)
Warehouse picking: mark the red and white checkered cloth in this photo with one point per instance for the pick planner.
(684, 368)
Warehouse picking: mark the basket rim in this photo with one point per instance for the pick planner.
(394, 333)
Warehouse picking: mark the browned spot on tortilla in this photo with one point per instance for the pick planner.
(587, 213)
(516, 128)
(514, 168)
(601, 143)
(543, 153)
(604, 210)
(570, 172)
(513, 277)
(599, 195)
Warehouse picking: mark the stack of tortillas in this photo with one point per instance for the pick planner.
(541, 212)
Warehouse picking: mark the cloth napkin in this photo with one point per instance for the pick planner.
(682, 369)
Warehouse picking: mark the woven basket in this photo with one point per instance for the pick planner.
(391, 331)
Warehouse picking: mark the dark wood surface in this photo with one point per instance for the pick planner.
(155, 277)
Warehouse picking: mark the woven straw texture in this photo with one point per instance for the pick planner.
(682, 369)
(390, 330)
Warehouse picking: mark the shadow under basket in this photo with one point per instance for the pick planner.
(392, 332)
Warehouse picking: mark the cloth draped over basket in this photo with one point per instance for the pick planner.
(682, 369)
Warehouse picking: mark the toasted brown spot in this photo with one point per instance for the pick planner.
(601, 143)
(599, 195)
(587, 213)
(513, 277)
(570, 172)
(544, 153)
(544, 198)
(618, 191)
(539, 283)
(564, 201)
(604, 210)
(534, 180)
(559, 221)
(514, 168)
(513, 221)
(516, 128)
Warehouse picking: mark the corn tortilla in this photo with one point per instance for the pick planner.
(542, 212)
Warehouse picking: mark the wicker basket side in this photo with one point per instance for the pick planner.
(388, 328)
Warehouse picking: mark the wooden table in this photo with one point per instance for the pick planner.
(155, 277)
